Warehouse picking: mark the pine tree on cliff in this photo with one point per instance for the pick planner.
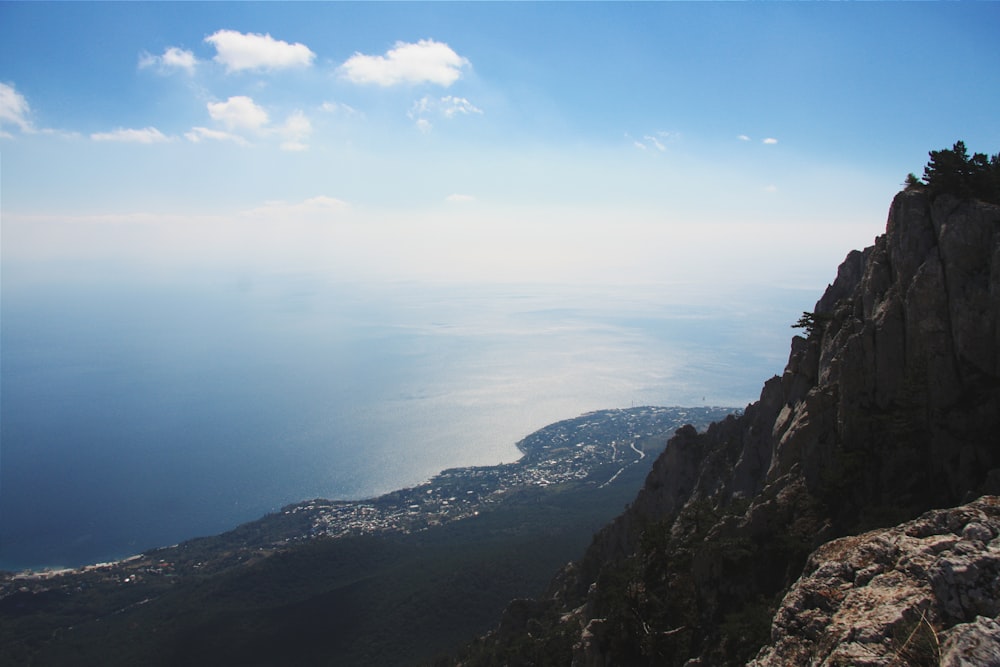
(952, 171)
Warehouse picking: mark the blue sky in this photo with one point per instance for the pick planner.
(649, 142)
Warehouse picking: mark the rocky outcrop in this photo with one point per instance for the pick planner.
(924, 593)
(889, 407)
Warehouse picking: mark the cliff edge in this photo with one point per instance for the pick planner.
(888, 407)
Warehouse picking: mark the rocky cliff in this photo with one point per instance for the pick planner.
(925, 593)
(888, 407)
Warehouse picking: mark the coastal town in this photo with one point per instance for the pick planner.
(593, 449)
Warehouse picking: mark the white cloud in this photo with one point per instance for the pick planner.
(770, 140)
(147, 135)
(457, 198)
(175, 57)
(771, 189)
(424, 125)
(14, 110)
(743, 137)
(426, 61)
(172, 58)
(252, 51)
(197, 134)
(296, 129)
(241, 113)
(238, 112)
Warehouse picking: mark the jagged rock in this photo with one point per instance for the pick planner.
(587, 652)
(889, 408)
(975, 644)
(921, 593)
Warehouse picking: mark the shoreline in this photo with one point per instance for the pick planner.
(534, 448)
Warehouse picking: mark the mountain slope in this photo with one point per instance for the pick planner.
(888, 407)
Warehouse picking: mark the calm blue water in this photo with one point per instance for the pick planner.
(138, 413)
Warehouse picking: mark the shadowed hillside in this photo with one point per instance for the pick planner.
(381, 581)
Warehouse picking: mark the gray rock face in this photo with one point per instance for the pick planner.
(975, 644)
(889, 408)
(926, 592)
(906, 366)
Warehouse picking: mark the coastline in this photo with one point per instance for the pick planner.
(568, 451)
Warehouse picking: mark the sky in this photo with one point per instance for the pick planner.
(618, 143)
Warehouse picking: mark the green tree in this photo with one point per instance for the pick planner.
(813, 323)
(912, 182)
(954, 172)
(947, 170)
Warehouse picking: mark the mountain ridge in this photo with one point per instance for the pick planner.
(888, 407)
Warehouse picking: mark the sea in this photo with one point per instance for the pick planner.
(140, 413)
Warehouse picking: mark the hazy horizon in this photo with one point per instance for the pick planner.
(143, 415)
(254, 252)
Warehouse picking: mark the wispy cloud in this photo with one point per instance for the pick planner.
(146, 135)
(320, 207)
(173, 58)
(770, 141)
(657, 140)
(451, 106)
(238, 112)
(654, 142)
(14, 110)
(447, 107)
(743, 137)
(198, 134)
(296, 130)
(427, 61)
(340, 108)
(459, 198)
(420, 108)
(251, 51)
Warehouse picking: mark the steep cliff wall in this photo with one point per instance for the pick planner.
(887, 408)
